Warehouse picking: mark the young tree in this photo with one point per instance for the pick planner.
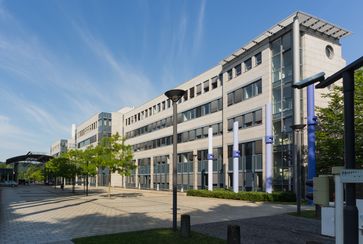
(112, 153)
(88, 165)
(330, 131)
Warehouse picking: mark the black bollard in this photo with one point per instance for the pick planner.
(185, 226)
(233, 234)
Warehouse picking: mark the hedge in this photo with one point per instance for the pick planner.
(247, 196)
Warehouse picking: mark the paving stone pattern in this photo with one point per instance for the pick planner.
(42, 214)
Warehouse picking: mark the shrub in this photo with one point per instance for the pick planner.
(247, 196)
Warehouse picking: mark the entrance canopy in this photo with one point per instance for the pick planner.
(30, 158)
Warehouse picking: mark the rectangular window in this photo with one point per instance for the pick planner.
(247, 92)
(191, 92)
(198, 111)
(168, 103)
(205, 131)
(192, 135)
(185, 136)
(214, 106)
(230, 98)
(258, 116)
(238, 95)
(198, 133)
(230, 125)
(163, 105)
(239, 120)
(215, 129)
(185, 96)
(238, 70)
(199, 89)
(229, 73)
(258, 59)
(206, 86)
(220, 126)
(248, 119)
(248, 64)
(258, 147)
(214, 82)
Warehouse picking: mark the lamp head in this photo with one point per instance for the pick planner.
(310, 80)
(175, 94)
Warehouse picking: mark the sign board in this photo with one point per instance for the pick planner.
(351, 176)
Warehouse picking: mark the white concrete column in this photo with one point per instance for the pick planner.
(170, 163)
(195, 169)
(151, 172)
(268, 145)
(137, 174)
(236, 157)
(210, 159)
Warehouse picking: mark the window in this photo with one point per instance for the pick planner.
(215, 129)
(168, 103)
(248, 64)
(206, 86)
(230, 125)
(199, 89)
(191, 92)
(238, 95)
(214, 82)
(258, 59)
(238, 70)
(205, 131)
(185, 96)
(163, 105)
(247, 92)
(248, 120)
(258, 116)
(214, 106)
(192, 135)
(230, 98)
(198, 133)
(229, 73)
(258, 147)
(146, 114)
(239, 119)
(185, 136)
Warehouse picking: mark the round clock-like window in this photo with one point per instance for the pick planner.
(329, 51)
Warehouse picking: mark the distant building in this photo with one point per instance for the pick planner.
(58, 147)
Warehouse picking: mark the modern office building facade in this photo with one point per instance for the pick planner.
(237, 89)
(59, 147)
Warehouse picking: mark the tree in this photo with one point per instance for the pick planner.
(330, 131)
(88, 164)
(112, 153)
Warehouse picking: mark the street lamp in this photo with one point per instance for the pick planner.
(174, 95)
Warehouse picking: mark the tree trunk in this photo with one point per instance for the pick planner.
(73, 184)
(55, 183)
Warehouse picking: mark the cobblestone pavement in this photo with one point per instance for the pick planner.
(277, 229)
(42, 214)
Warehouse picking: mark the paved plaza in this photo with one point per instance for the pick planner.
(42, 214)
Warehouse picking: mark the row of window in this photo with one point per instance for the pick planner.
(246, 120)
(89, 128)
(186, 136)
(208, 85)
(244, 93)
(193, 113)
(87, 142)
(245, 66)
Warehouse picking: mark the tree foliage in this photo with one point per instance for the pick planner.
(112, 153)
(330, 131)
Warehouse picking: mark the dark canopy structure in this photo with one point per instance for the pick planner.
(29, 157)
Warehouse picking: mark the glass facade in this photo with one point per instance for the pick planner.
(282, 109)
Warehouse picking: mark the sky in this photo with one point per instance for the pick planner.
(63, 61)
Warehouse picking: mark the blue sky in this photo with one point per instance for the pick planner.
(63, 61)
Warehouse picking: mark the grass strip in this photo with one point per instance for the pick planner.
(149, 236)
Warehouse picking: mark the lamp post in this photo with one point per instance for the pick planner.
(174, 95)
